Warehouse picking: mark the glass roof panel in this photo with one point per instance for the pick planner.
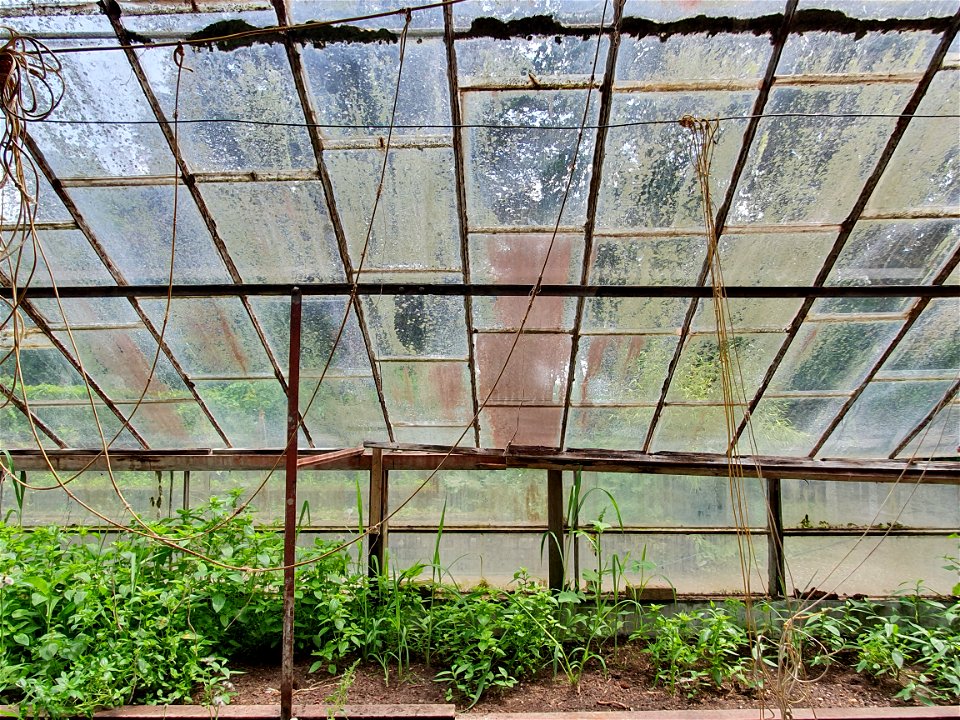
(17, 433)
(173, 425)
(693, 428)
(773, 258)
(819, 53)
(519, 176)
(889, 253)
(698, 376)
(134, 224)
(48, 206)
(416, 325)
(790, 425)
(211, 336)
(637, 316)
(459, 435)
(120, 362)
(886, 9)
(811, 169)
(685, 58)
(536, 371)
(621, 368)
(647, 260)
(608, 428)
(94, 311)
(46, 374)
(77, 426)
(884, 413)
(100, 86)
(923, 169)
(507, 312)
(354, 84)
(648, 178)
(666, 10)
(302, 11)
(514, 425)
(748, 314)
(249, 83)
(276, 232)
(932, 345)
(530, 61)
(416, 222)
(428, 392)
(832, 356)
(581, 12)
(253, 413)
(941, 438)
(344, 413)
(73, 260)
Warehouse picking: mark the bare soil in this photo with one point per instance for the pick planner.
(627, 684)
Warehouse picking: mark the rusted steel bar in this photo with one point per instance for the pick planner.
(779, 40)
(593, 199)
(112, 10)
(377, 537)
(947, 398)
(11, 396)
(555, 530)
(317, 143)
(290, 509)
(463, 225)
(848, 225)
(319, 461)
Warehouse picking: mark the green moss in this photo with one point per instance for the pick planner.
(318, 34)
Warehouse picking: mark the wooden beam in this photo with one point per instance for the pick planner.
(377, 538)
(555, 528)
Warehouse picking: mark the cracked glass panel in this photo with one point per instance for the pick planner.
(811, 169)
(416, 223)
(789, 425)
(276, 231)
(649, 179)
(621, 368)
(135, 226)
(517, 173)
(923, 170)
(885, 412)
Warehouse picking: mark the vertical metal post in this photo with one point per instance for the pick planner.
(776, 585)
(555, 528)
(290, 508)
(186, 489)
(376, 560)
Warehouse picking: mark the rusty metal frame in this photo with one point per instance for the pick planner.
(850, 222)
(112, 11)
(947, 398)
(11, 396)
(83, 226)
(318, 144)
(759, 104)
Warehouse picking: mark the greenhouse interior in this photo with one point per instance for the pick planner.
(494, 344)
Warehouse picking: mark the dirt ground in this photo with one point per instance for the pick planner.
(626, 685)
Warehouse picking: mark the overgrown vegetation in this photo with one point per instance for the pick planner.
(90, 621)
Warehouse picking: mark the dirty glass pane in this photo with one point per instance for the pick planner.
(745, 314)
(811, 169)
(470, 559)
(173, 425)
(889, 253)
(212, 336)
(941, 438)
(87, 312)
(17, 434)
(249, 83)
(47, 206)
(303, 11)
(536, 370)
(871, 565)
(649, 178)
(692, 57)
(76, 425)
(134, 224)
(142, 490)
(647, 260)
(923, 169)
(354, 84)
(276, 232)
(932, 345)
(666, 10)
(790, 425)
(832, 356)
(773, 258)
(699, 374)
(469, 497)
(46, 373)
(519, 176)
(608, 428)
(253, 413)
(101, 86)
(428, 392)
(416, 224)
(820, 52)
(816, 504)
(415, 325)
(68, 255)
(514, 425)
(633, 315)
(344, 413)
(694, 428)
(578, 12)
(665, 500)
(621, 368)
(120, 362)
(489, 61)
(884, 413)
(888, 9)
(507, 312)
